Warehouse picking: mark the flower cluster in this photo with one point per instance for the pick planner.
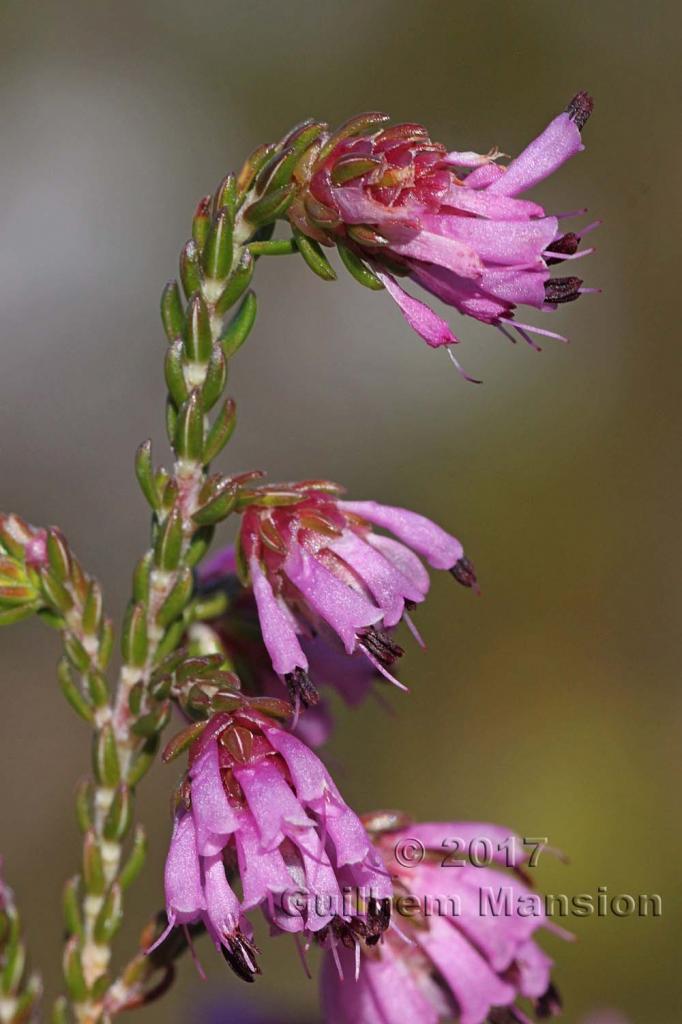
(258, 802)
(447, 958)
(318, 564)
(451, 222)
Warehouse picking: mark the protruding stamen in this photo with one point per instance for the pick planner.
(378, 919)
(563, 289)
(580, 108)
(240, 953)
(464, 572)
(301, 688)
(565, 246)
(549, 1004)
(381, 646)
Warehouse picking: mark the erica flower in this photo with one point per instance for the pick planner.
(446, 959)
(451, 222)
(258, 803)
(318, 563)
(237, 634)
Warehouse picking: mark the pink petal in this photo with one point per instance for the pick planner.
(435, 245)
(545, 154)
(214, 818)
(500, 241)
(279, 635)
(388, 586)
(485, 204)
(346, 610)
(432, 328)
(440, 549)
(182, 875)
(271, 802)
(474, 984)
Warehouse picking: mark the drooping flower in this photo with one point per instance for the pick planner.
(463, 944)
(318, 563)
(258, 804)
(237, 634)
(451, 222)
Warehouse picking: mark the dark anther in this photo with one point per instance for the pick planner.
(301, 688)
(580, 108)
(549, 1004)
(562, 289)
(240, 953)
(380, 645)
(565, 246)
(378, 919)
(463, 571)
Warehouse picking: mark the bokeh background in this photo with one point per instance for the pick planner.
(551, 704)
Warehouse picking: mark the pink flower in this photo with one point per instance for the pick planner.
(258, 804)
(446, 958)
(318, 564)
(238, 634)
(451, 222)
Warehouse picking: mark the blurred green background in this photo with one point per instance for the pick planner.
(552, 703)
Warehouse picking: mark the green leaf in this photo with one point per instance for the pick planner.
(71, 907)
(55, 593)
(93, 868)
(84, 798)
(174, 373)
(198, 337)
(73, 971)
(58, 555)
(172, 314)
(226, 195)
(221, 504)
(363, 124)
(272, 206)
(277, 247)
(240, 326)
(153, 723)
(141, 577)
(201, 221)
(218, 252)
(98, 688)
(183, 741)
(221, 431)
(168, 545)
(143, 761)
(134, 641)
(189, 431)
(135, 862)
(201, 542)
(238, 281)
(71, 691)
(105, 758)
(358, 269)
(177, 599)
(144, 471)
(171, 638)
(110, 917)
(215, 379)
(353, 167)
(11, 615)
(312, 253)
(253, 164)
(190, 268)
(92, 609)
(119, 816)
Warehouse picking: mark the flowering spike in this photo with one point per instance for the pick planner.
(392, 199)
